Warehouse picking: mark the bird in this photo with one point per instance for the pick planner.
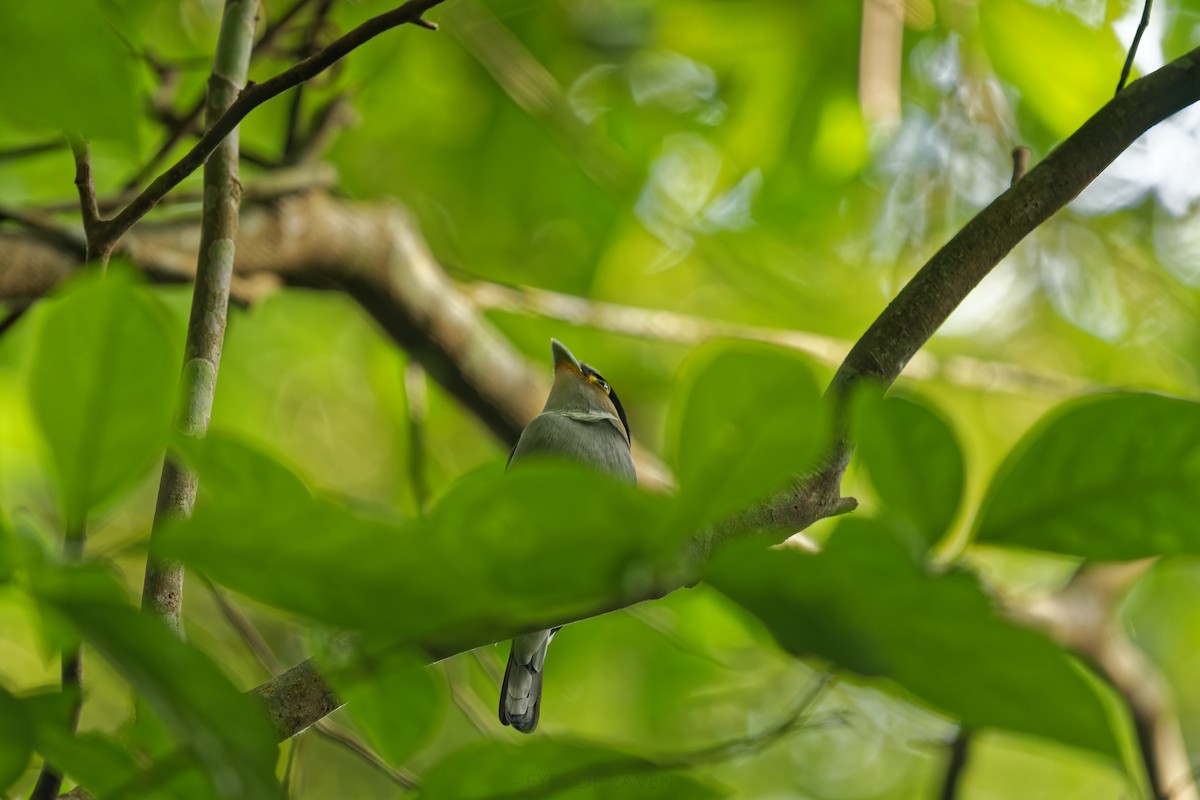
(582, 420)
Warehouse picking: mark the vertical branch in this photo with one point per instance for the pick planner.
(956, 764)
(99, 248)
(162, 591)
(49, 780)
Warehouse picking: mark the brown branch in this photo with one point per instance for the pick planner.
(669, 326)
(1083, 616)
(251, 97)
(1143, 23)
(182, 124)
(71, 675)
(98, 248)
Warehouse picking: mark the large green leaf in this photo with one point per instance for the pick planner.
(915, 464)
(498, 552)
(16, 739)
(101, 387)
(67, 70)
(1113, 476)
(1027, 42)
(544, 767)
(97, 762)
(225, 729)
(865, 606)
(746, 419)
(396, 700)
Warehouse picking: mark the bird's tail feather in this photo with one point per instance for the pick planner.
(521, 692)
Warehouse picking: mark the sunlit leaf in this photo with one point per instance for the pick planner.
(1112, 476)
(865, 606)
(746, 418)
(915, 464)
(545, 767)
(228, 732)
(101, 388)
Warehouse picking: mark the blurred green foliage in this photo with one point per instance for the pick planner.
(710, 158)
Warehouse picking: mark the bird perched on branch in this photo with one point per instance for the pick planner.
(582, 420)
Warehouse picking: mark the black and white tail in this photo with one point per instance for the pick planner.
(521, 693)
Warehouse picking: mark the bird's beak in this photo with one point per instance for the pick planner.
(563, 356)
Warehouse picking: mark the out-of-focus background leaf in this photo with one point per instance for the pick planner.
(1110, 478)
(915, 464)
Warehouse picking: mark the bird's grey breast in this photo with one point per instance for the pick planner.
(596, 440)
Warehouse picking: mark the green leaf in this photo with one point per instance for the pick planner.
(101, 388)
(915, 464)
(544, 767)
(16, 740)
(747, 418)
(226, 729)
(865, 606)
(499, 552)
(396, 701)
(1109, 477)
(1027, 42)
(95, 761)
(67, 71)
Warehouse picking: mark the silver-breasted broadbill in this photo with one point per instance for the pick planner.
(582, 420)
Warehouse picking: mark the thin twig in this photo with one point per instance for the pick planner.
(182, 124)
(401, 777)
(800, 718)
(956, 763)
(308, 47)
(251, 98)
(1137, 39)
(34, 149)
(98, 248)
(262, 652)
(266, 186)
(50, 778)
(1020, 158)
(481, 720)
(669, 326)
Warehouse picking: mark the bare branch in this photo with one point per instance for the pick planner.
(956, 763)
(253, 96)
(1143, 23)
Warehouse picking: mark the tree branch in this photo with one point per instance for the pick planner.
(162, 590)
(110, 231)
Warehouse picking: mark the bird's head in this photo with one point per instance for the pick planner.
(579, 388)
